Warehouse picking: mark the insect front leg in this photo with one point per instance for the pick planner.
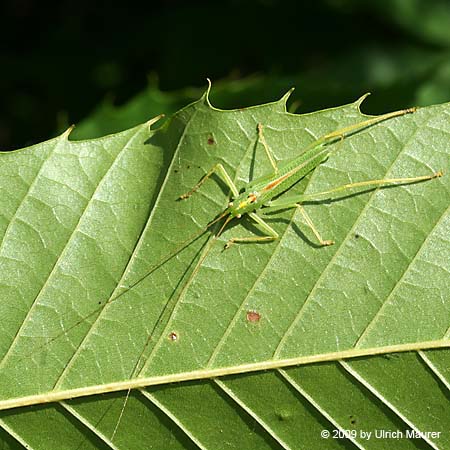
(220, 170)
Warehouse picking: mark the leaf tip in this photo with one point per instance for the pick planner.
(286, 96)
(205, 96)
(360, 100)
(154, 120)
(66, 133)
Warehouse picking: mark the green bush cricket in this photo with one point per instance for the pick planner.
(259, 194)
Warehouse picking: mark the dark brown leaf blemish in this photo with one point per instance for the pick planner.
(173, 336)
(253, 316)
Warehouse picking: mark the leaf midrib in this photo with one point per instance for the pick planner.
(201, 374)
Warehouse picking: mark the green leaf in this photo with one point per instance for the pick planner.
(83, 223)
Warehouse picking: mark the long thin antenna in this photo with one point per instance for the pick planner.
(156, 266)
(136, 368)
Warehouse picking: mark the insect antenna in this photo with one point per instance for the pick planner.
(155, 267)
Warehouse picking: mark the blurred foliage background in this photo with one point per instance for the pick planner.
(106, 67)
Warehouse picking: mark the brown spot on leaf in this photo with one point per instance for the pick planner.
(173, 336)
(253, 316)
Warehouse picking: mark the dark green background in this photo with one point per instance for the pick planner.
(58, 63)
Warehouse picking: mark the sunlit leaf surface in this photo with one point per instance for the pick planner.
(83, 223)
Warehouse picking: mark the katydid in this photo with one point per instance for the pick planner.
(259, 193)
